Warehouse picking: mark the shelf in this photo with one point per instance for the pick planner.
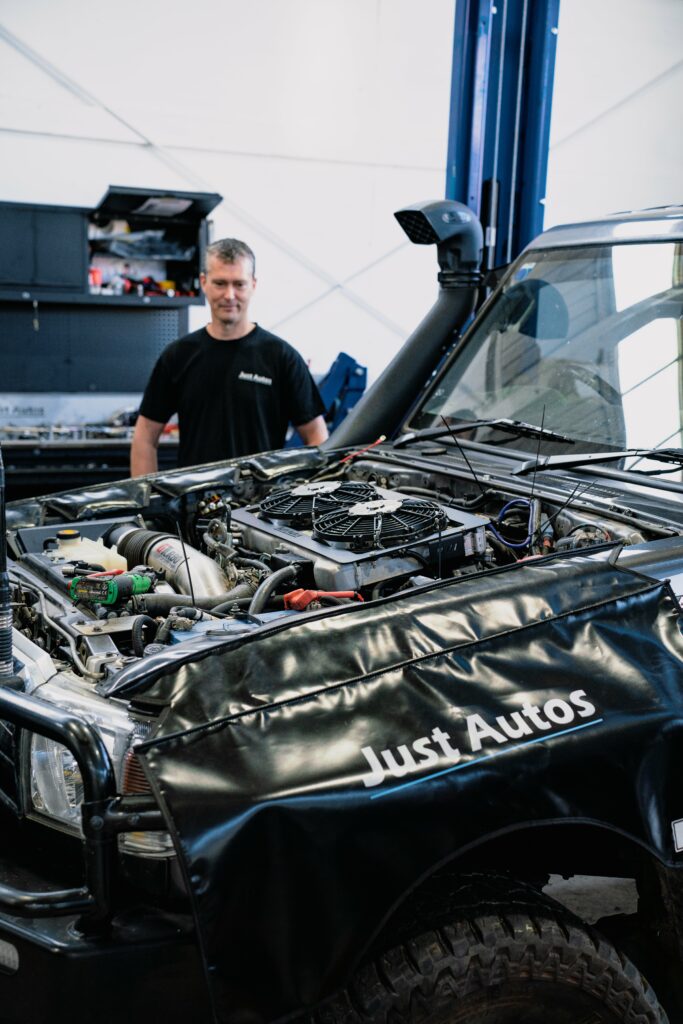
(51, 253)
(66, 445)
(58, 336)
(85, 298)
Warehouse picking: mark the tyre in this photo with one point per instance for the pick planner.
(534, 965)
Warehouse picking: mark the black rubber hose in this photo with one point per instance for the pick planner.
(134, 544)
(188, 611)
(247, 553)
(244, 602)
(243, 593)
(161, 604)
(143, 632)
(164, 631)
(241, 590)
(269, 585)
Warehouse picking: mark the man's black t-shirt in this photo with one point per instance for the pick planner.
(232, 397)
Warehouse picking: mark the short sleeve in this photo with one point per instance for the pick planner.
(302, 400)
(160, 399)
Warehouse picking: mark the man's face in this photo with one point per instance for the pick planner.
(228, 288)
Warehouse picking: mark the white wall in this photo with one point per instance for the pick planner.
(315, 119)
(616, 140)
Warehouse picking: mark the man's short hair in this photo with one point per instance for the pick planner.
(229, 250)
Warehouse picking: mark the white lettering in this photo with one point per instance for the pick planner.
(255, 378)
(532, 713)
(377, 774)
(399, 770)
(478, 729)
(522, 727)
(423, 748)
(442, 738)
(578, 699)
(427, 751)
(558, 711)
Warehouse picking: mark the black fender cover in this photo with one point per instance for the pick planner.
(311, 774)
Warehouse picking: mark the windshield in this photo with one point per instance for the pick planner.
(589, 340)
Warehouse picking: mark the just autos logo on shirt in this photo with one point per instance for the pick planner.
(255, 378)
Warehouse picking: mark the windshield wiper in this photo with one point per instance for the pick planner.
(546, 462)
(516, 427)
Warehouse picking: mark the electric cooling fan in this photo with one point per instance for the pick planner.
(382, 523)
(297, 506)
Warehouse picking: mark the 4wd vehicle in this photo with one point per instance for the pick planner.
(306, 733)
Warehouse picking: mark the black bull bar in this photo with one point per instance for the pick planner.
(105, 814)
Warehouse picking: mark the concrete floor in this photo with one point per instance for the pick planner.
(611, 905)
(592, 898)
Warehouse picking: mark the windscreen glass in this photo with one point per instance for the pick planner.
(587, 340)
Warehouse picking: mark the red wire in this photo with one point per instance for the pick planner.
(347, 458)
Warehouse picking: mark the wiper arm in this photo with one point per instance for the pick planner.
(546, 462)
(516, 427)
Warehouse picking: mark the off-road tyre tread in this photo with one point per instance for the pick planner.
(421, 980)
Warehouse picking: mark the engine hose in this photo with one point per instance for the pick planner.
(187, 569)
(143, 632)
(243, 603)
(164, 631)
(270, 584)
(161, 604)
(187, 611)
(219, 546)
(134, 543)
(243, 593)
(251, 563)
(247, 553)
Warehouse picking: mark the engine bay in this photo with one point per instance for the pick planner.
(219, 562)
(111, 588)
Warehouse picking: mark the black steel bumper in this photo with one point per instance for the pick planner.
(146, 968)
(104, 815)
(68, 953)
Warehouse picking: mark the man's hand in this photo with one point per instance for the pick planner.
(313, 432)
(143, 451)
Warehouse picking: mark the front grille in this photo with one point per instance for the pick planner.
(134, 780)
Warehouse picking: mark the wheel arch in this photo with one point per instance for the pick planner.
(527, 853)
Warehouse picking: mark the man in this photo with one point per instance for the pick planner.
(235, 386)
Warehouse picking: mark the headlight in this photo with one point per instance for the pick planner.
(56, 785)
(53, 781)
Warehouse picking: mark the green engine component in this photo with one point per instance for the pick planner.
(108, 587)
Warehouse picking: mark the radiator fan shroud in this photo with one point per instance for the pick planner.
(298, 506)
(379, 523)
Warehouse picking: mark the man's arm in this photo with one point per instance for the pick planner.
(313, 432)
(143, 451)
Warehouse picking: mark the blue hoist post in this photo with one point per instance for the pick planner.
(340, 388)
(501, 97)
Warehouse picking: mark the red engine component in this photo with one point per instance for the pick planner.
(299, 600)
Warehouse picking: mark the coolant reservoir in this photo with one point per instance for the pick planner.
(71, 546)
